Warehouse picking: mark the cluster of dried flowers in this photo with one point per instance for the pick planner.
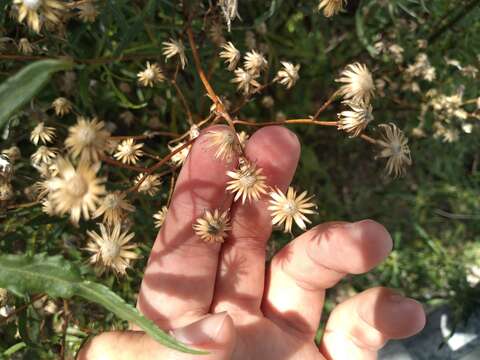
(71, 181)
(445, 115)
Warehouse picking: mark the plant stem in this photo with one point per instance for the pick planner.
(291, 121)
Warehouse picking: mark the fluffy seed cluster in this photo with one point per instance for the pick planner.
(42, 133)
(231, 55)
(38, 12)
(87, 139)
(128, 152)
(151, 75)
(160, 216)
(247, 182)
(224, 142)
(331, 7)
(173, 48)
(394, 147)
(76, 190)
(288, 208)
(111, 249)
(355, 120)
(213, 226)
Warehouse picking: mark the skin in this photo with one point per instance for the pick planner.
(223, 298)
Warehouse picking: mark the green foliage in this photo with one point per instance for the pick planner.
(433, 213)
(21, 87)
(56, 277)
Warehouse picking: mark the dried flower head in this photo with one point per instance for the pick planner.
(87, 11)
(44, 155)
(160, 217)
(359, 85)
(175, 47)
(354, 121)
(13, 153)
(395, 148)
(215, 33)
(247, 182)
(225, 143)
(76, 190)
(230, 11)
(242, 138)
(25, 47)
(150, 184)
(6, 192)
(212, 227)
(62, 106)
(255, 62)
(288, 76)
(35, 11)
(245, 81)
(111, 249)
(48, 207)
(113, 207)
(290, 207)
(87, 139)
(331, 7)
(42, 133)
(6, 168)
(151, 75)
(128, 152)
(179, 157)
(231, 55)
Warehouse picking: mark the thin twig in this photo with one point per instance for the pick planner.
(21, 308)
(325, 105)
(368, 139)
(64, 330)
(147, 136)
(159, 164)
(290, 121)
(119, 164)
(21, 206)
(181, 96)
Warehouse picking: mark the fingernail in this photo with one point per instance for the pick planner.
(396, 298)
(390, 304)
(202, 331)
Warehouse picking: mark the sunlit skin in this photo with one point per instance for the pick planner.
(225, 299)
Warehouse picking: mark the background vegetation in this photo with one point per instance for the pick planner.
(433, 212)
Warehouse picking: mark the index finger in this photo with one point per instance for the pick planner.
(177, 287)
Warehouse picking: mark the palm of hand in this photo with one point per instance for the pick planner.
(258, 313)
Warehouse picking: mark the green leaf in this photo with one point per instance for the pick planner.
(20, 88)
(57, 277)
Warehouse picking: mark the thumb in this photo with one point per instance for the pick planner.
(214, 334)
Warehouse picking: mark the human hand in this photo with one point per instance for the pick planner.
(221, 297)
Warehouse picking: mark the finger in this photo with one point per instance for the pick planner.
(361, 326)
(315, 261)
(214, 334)
(239, 285)
(178, 283)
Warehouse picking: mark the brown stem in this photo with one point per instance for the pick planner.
(145, 137)
(325, 105)
(368, 139)
(200, 71)
(119, 164)
(20, 206)
(21, 308)
(291, 121)
(158, 165)
(64, 329)
(220, 108)
(181, 96)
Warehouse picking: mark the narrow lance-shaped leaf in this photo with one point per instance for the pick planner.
(57, 277)
(20, 88)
